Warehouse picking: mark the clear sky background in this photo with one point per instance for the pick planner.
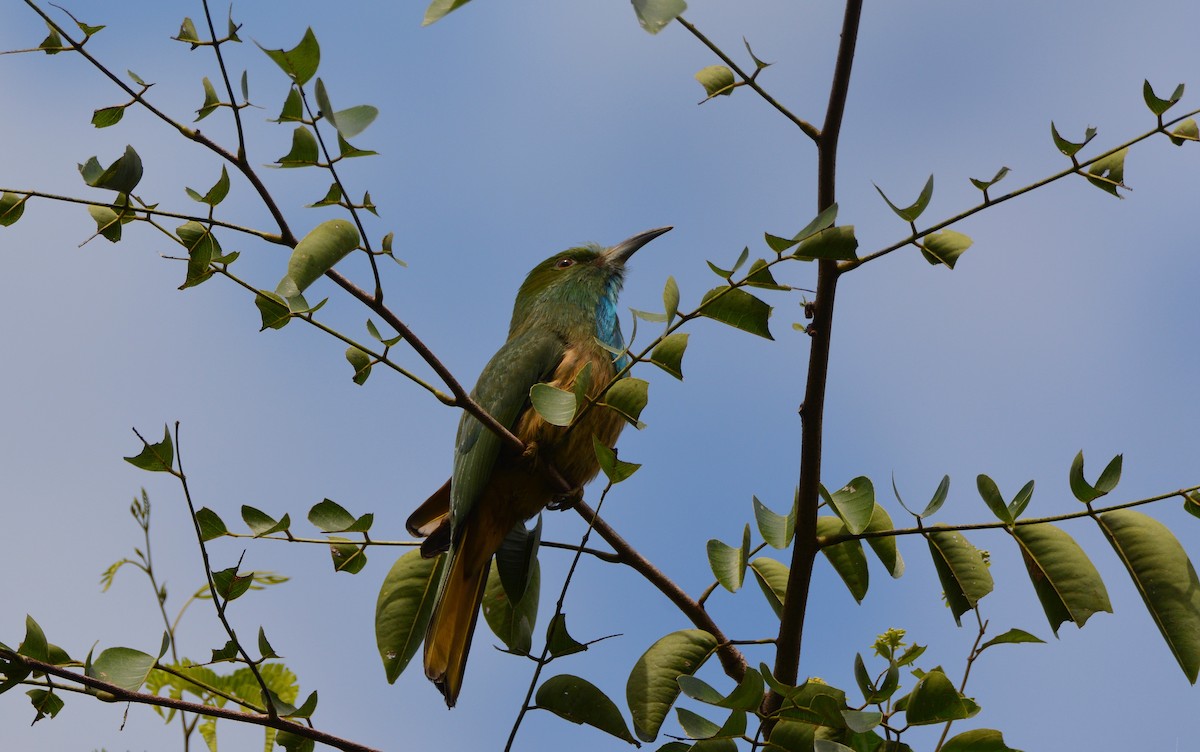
(516, 128)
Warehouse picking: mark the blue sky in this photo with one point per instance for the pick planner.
(511, 130)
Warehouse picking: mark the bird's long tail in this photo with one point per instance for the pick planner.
(448, 639)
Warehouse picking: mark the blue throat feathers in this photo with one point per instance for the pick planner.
(608, 327)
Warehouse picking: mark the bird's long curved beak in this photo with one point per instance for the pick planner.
(621, 252)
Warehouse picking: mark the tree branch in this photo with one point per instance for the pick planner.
(121, 694)
(804, 551)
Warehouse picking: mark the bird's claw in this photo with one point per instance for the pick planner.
(566, 500)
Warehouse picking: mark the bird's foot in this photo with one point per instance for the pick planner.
(531, 452)
(566, 500)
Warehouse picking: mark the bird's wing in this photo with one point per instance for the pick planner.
(503, 391)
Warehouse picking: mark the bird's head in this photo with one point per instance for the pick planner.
(576, 284)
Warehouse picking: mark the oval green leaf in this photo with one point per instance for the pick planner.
(847, 558)
(125, 667)
(729, 562)
(403, 607)
(320, 250)
(653, 684)
(738, 309)
(1065, 580)
(512, 623)
(579, 701)
(964, 575)
(1164, 577)
(772, 577)
(935, 700)
(556, 406)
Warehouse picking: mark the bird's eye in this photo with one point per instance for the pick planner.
(564, 263)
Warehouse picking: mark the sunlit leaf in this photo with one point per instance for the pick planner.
(961, 570)
(1164, 577)
(717, 80)
(983, 185)
(1070, 148)
(914, 210)
(1159, 106)
(668, 354)
(439, 8)
(1011, 637)
(304, 151)
(772, 577)
(831, 244)
(935, 700)
(12, 207)
(1064, 578)
(776, 529)
(512, 623)
(615, 470)
(654, 15)
(653, 684)
(847, 558)
(738, 309)
(854, 503)
(1108, 173)
(158, 457)
(977, 740)
(945, 247)
(299, 63)
(628, 397)
(728, 563)
(318, 252)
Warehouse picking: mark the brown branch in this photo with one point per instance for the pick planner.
(804, 551)
(121, 694)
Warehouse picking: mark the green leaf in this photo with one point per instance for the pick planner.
(34, 645)
(728, 562)
(939, 498)
(654, 15)
(1164, 577)
(1186, 131)
(654, 318)
(349, 122)
(211, 101)
(261, 523)
(847, 558)
(738, 309)
(347, 557)
(653, 684)
(579, 701)
(299, 63)
(760, 276)
(559, 641)
(516, 558)
(125, 667)
(871, 693)
(716, 79)
(696, 726)
(1070, 148)
(202, 248)
(330, 517)
(230, 585)
(439, 8)
(1159, 106)
(156, 458)
(293, 108)
(1107, 481)
(830, 244)
(53, 43)
(318, 252)
(216, 194)
(614, 469)
(12, 207)
(403, 608)
(914, 210)
(304, 152)
(671, 299)
(885, 546)
(776, 529)
(211, 525)
(961, 569)
(347, 151)
(360, 361)
(512, 623)
(108, 222)
(977, 740)
(945, 247)
(1065, 580)
(668, 354)
(107, 116)
(747, 696)
(628, 397)
(274, 310)
(555, 406)
(983, 185)
(1011, 637)
(991, 496)
(854, 503)
(45, 702)
(772, 577)
(862, 721)
(121, 176)
(187, 33)
(935, 700)
(1108, 173)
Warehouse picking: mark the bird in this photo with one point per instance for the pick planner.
(564, 318)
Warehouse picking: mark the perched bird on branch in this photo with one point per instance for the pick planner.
(564, 318)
